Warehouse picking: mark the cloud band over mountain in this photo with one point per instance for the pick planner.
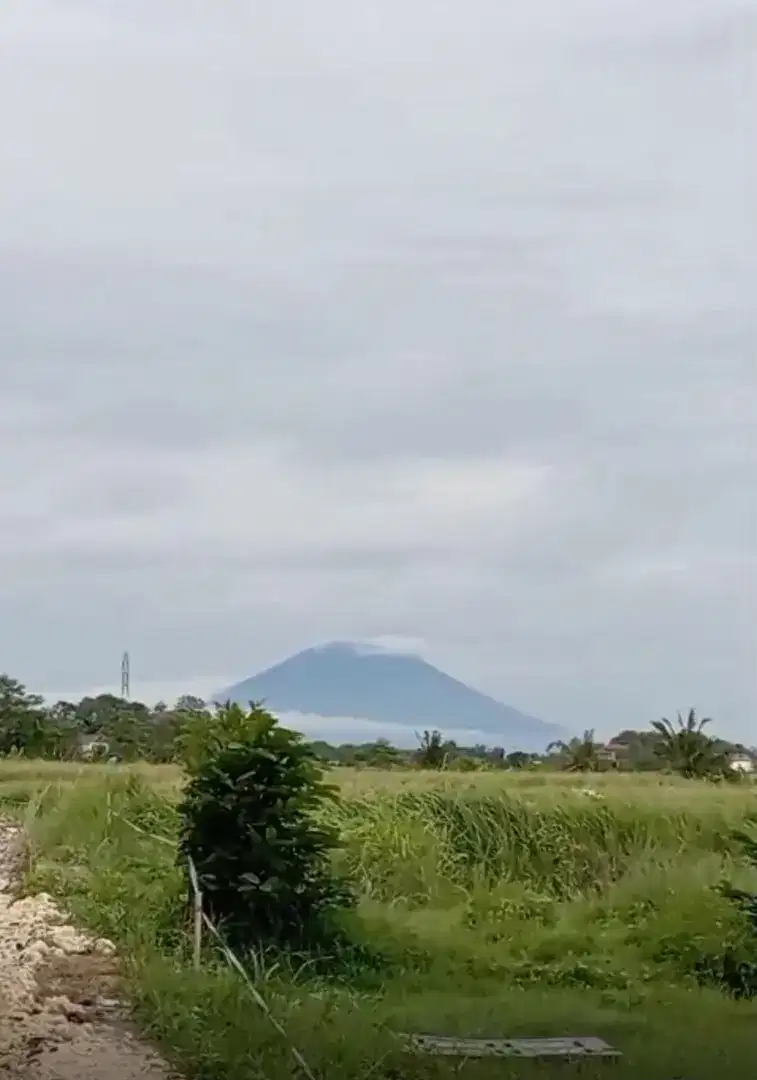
(366, 691)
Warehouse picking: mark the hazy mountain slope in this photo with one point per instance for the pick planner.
(347, 680)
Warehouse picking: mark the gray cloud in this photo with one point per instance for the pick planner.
(341, 322)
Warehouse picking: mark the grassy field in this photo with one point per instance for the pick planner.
(504, 904)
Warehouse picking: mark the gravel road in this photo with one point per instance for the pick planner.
(59, 1014)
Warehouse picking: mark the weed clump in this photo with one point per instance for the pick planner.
(262, 859)
(733, 972)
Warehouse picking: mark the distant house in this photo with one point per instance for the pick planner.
(742, 763)
(94, 749)
(612, 752)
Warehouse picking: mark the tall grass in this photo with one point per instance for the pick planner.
(563, 848)
(504, 906)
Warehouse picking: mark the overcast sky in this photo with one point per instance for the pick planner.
(340, 320)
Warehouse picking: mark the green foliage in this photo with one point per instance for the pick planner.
(560, 908)
(463, 763)
(247, 823)
(493, 911)
(105, 726)
(578, 755)
(443, 844)
(737, 974)
(688, 751)
(23, 722)
(432, 751)
(202, 734)
(380, 755)
(518, 759)
(636, 750)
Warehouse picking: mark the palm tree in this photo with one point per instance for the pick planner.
(580, 755)
(686, 749)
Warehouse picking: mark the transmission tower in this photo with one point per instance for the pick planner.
(125, 676)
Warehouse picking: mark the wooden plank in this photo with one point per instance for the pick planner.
(450, 1046)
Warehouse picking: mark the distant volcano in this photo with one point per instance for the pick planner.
(366, 682)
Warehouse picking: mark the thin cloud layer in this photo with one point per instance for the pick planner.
(339, 322)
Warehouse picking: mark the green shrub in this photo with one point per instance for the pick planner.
(262, 860)
(734, 972)
(203, 734)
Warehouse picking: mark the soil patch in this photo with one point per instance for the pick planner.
(60, 1017)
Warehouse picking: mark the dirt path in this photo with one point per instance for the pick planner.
(59, 1019)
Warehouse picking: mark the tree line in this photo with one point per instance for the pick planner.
(106, 726)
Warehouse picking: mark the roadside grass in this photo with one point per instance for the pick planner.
(501, 907)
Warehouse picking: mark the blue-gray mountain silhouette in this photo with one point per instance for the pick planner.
(349, 680)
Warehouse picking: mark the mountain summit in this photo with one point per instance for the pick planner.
(349, 679)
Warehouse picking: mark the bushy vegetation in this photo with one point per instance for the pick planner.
(503, 903)
(106, 726)
(262, 857)
(471, 893)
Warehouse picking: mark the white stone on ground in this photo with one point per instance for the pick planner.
(44, 1034)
